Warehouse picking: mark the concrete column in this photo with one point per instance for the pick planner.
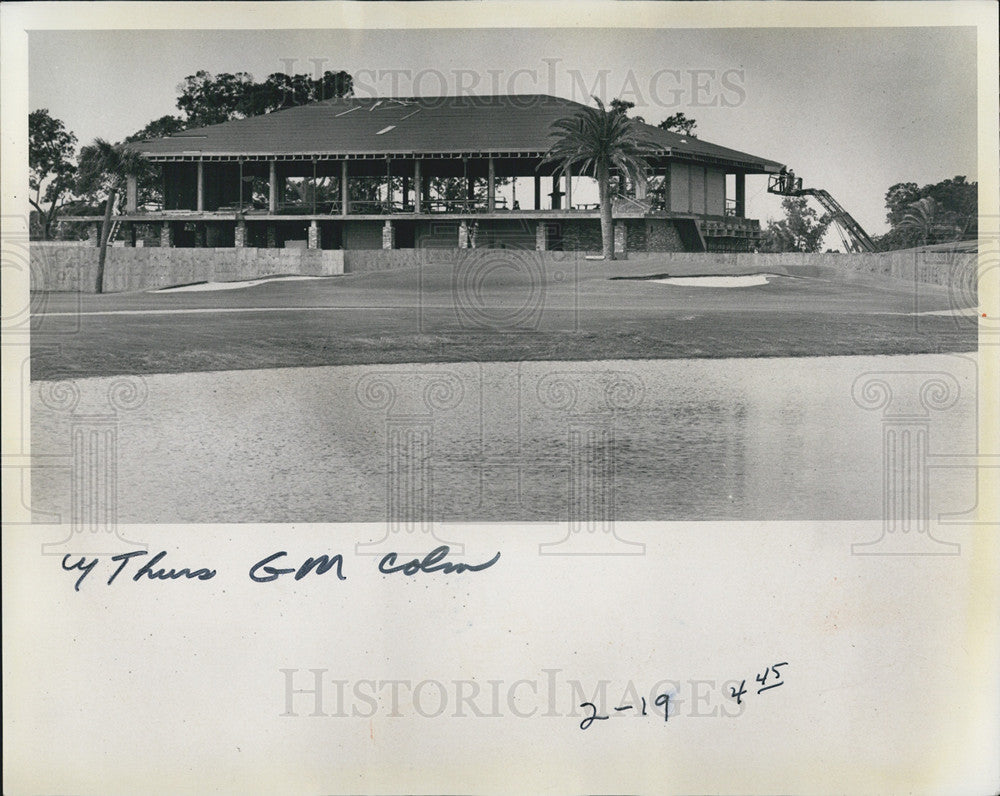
(345, 194)
(314, 238)
(240, 234)
(640, 189)
(418, 188)
(541, 236)
(272, 236)
(473, 231)
(388, 235)
(166, 235)
(538, 192)
(491, 188)
(569, 189)
(556, 193)
(463, 234)
(131, 194)
(201, 186)
(741, 195)
(272, 187)
(94, 234)
(621, 238)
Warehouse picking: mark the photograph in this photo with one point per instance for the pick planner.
(427, 315)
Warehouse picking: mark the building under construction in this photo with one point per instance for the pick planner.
(368, 173)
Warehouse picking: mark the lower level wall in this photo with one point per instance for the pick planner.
(73, 268)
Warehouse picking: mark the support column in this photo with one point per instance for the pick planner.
(345, 194)
(741, 195)
(463, 234)
(200, 235)
(388, 235)
(94, 234)
(491, 188)
(569, 188)
(538, 192)
(541, 236)
(272, 236)
(272, 187)
(556, 193)
(621, 238)
(201, 186)
(418, 188)
(314, 239)
(129, 237)
(131, 194)
(167, 235)
(640, 189)
(240, 234)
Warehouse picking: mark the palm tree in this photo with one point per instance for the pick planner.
(595, 141)
(104, 167)
(926, 219)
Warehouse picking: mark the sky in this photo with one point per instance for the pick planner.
(851, 110)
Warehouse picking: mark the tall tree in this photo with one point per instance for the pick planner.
(104, 168)
(50, 162)
(595, 142)
(206, 98)
(951, 214)
(801, 230)
(210, 99)
(928, 223)
(679, 123)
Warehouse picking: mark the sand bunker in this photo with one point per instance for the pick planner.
(202, 286)
(746, 280)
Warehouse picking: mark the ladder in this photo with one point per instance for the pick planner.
(856, 239)
(113, 232)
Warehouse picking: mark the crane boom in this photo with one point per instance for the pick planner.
(788, 185)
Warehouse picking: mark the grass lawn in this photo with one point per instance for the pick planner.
(439, 314)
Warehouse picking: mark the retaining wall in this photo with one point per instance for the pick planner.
(60, 267)
(69, 267)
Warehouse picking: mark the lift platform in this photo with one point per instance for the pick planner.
(854, 237)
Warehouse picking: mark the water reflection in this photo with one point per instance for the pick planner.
(587, 443)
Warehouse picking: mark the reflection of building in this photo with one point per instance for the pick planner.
(361, 174)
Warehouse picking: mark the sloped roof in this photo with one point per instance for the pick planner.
(365, 126)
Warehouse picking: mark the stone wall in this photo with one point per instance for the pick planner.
(581, 236)
(73, 268)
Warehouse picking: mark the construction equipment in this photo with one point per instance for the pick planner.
(855, 239)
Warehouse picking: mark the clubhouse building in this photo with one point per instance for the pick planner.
(447, 172)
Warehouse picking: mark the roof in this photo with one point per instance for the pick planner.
(512, 125)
